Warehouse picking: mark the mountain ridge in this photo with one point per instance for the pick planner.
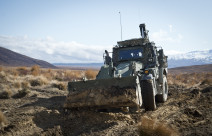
(190, 58)
(14, 59)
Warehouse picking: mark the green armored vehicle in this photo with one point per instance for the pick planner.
(135, 76)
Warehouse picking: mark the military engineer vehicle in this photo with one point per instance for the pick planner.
(135, 76)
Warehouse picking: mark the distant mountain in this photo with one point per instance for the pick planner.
(191, 69)
(11, 58)
(190, 58)
(79, 66)
(179, 60)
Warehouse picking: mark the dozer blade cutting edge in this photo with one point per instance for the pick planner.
(112, 92)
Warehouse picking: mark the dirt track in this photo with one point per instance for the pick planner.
(40, 113)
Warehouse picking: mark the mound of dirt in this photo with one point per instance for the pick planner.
(187, 110)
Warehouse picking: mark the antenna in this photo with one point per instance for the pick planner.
(120, 24)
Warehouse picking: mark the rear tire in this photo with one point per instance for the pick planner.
(163, 97)
(148, 95)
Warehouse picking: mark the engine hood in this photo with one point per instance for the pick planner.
(127, 69)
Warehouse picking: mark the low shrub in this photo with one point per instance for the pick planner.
(25, 84)
(35, 70)
(70, 75)
(22, 71)
(14, 72)
(17, 85)
(21, 93)
(39, 81)
(35, 83)
(2, 76)
(47, 75)
(60, 86)
(5, 94)
(90, 74)
(206, 82)
(3, 119)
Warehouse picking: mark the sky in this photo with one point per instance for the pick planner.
(78, 31)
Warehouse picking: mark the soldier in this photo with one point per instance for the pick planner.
(107, 58)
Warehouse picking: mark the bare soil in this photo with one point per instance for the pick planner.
(41, 112)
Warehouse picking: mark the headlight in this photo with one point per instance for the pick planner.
(146, 71)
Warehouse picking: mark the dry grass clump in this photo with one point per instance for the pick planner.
(2, 76)
(70, 75)
(22, 93)
(48, 74)
(21, 70)
(5, 94)
(1, 69)
(90, 74)
(59, 85)
(35, 70)
(207, 81)
(17, 85)
(149, 127)
(39, 81)
(25, 84)
(3, 119)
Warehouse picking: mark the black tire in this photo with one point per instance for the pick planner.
(148, 95)
(163, 97)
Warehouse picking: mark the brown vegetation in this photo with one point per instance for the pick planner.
(150, 127)
(90, 74)
(25, 85)
(38, 81)
(35, 70)
(3, 119)
(190, 79)
(17, 85)
(5, 94)
(22, 71)
(21, 93)
(60, 85)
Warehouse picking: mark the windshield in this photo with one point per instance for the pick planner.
(130, 54)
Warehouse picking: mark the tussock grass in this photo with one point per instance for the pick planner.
(35, 70)
(70, 75)
(2, 76)
(17, 85)
(207, 81)
(3, 119)
(21, 93)
(38, 81)
(90, 74)
(6, 93)
(22, 79)
(22, 71)
(150, 127)
(25, 84)
(59, 85)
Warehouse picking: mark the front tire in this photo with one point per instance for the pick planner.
(148, 95)
(163, 97)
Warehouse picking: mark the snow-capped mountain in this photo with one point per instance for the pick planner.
(190, 58)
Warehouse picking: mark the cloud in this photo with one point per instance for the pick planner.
(167, 36)
(170, 28)
(173, 52)
(54, 51)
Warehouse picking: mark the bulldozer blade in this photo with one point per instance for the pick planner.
(113, 92)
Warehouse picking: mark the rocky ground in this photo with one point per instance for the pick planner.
(188, 111)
